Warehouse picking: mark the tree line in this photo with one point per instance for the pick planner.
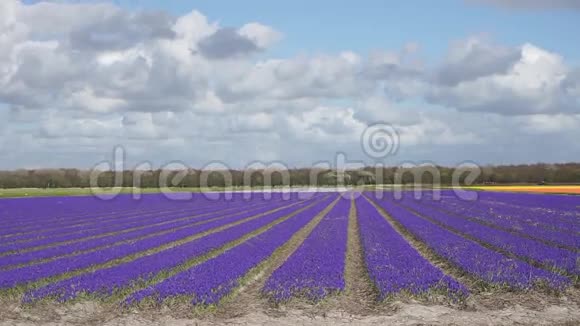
(192, 178)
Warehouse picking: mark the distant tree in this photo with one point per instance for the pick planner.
(503, 174)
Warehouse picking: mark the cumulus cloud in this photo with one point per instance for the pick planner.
(252, 123)
(379, 108)
(475, 58)
(84, 77)
(121, 31)
(539, 82)
(393, 66)
(571, 84)
(263, 36)
(552, 124)
(325, 124)
(321, 76)
(226, 43)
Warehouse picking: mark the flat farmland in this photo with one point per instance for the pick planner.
(568, 189)
(363, 253)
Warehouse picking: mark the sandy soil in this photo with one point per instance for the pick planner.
(401, 314)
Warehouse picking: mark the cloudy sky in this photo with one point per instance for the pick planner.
(491, 81)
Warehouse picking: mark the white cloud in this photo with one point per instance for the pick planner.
(82, 78)
(62, 127)
(326, 124)
(552, 124)
(533, 85)
(321, 76)
(263, 36)
(378, 108)
(475, 58)
(253, 122)
(86, 99)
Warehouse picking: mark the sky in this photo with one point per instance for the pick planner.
(294, 82)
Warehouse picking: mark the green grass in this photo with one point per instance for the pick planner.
(51, 192)
(39, 192)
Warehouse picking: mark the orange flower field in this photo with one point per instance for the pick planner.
(575, 189)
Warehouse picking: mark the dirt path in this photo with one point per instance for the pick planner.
(249, 297)
(360, 295)
(87, 314)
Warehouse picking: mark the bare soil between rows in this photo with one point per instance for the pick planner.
(481, 309)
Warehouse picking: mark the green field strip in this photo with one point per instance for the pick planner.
(11, 193)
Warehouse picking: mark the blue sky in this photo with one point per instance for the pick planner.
(362, 26)
(490, 81)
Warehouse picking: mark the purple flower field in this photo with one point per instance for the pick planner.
(204, 250)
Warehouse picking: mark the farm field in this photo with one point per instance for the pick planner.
(361, 249)
(567, 189)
